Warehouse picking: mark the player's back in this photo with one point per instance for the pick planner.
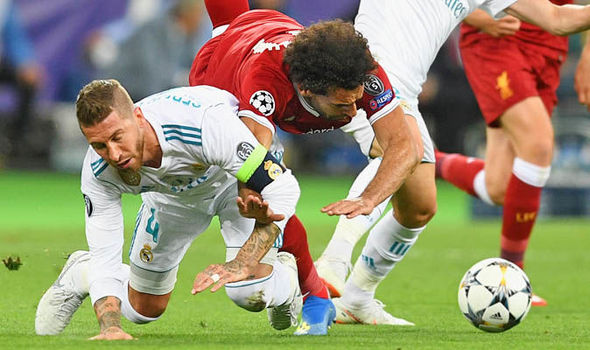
(405, 35)
(221, 61)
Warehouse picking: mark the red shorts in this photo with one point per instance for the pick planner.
(502, 73)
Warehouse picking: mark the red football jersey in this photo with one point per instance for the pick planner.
(551, 45)
(247, 60)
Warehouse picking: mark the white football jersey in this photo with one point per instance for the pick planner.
(203, 144)
(405, 35)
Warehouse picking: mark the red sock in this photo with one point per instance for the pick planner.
(458, 170)
(295, 242)
(521, 206)
(224, 11)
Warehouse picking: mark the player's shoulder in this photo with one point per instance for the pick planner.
(184, 105)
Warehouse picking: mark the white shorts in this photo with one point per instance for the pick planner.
(165, 228)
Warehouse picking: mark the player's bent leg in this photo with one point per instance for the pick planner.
(315, 313)
(222, 12)
(334, 263)
(387, 244)
(528, 126)
(64, 297)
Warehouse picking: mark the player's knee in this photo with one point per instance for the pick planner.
(152, 307)
(539, 151)
(421, 214)
(248, 297)
(426, 214)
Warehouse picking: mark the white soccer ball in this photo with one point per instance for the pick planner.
(495, 295)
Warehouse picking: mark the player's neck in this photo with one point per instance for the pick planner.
(152, 152)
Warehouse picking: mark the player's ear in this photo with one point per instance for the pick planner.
(138, 114)
(303, 92)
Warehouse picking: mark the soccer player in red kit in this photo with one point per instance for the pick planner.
(253, 58)
(513, 69)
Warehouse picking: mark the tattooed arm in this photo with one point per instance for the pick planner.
(108, 313)
(246, 263)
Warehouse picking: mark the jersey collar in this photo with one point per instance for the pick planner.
(305, 104)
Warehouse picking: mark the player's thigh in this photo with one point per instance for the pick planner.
(498, 165)
(528, 126)
(415, 202)
(164, 230)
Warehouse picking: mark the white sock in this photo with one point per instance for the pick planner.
(349, 231)
(531, 174)
(387, 245)
(479, 187)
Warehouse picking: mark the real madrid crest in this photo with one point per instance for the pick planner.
(145, 254)
(130, 177)
(274, 170)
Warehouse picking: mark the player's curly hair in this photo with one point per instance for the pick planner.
(327, 55)
(99, 98)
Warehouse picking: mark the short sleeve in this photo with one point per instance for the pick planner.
(379, 97)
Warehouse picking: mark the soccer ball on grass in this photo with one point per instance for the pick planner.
(495, 295)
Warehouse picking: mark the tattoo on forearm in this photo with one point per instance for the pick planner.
(257, 245)
(108, 312)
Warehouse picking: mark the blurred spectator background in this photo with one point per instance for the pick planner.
(50, 49)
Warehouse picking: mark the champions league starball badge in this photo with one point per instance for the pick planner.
(264, 102)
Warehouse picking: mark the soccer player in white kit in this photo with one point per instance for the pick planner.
(404, 37)
(182, 150)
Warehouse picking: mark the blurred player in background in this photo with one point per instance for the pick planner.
(182, 150)
(18, 67)
(513, 69)
(312, 80)
(405, 36)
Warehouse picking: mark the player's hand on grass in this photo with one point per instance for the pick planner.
(255, 208)
(113, 333)
(350, 207)
(217, 275)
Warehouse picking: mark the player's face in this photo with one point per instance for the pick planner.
(339, 104)
(118, 140)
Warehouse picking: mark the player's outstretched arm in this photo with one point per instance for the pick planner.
(401, 155)
(244, 265)
(507, 25)
(582, 77)
(108, 313)
(558, 20)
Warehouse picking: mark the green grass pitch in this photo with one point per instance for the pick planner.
(41, 220)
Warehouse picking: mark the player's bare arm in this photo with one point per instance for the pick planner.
(401, 155)
(261, 132)
(557, 20)
(582, 77)
(246, 263)
(108, 313)
(507, 25)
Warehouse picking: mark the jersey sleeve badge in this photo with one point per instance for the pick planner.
(263, 101)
